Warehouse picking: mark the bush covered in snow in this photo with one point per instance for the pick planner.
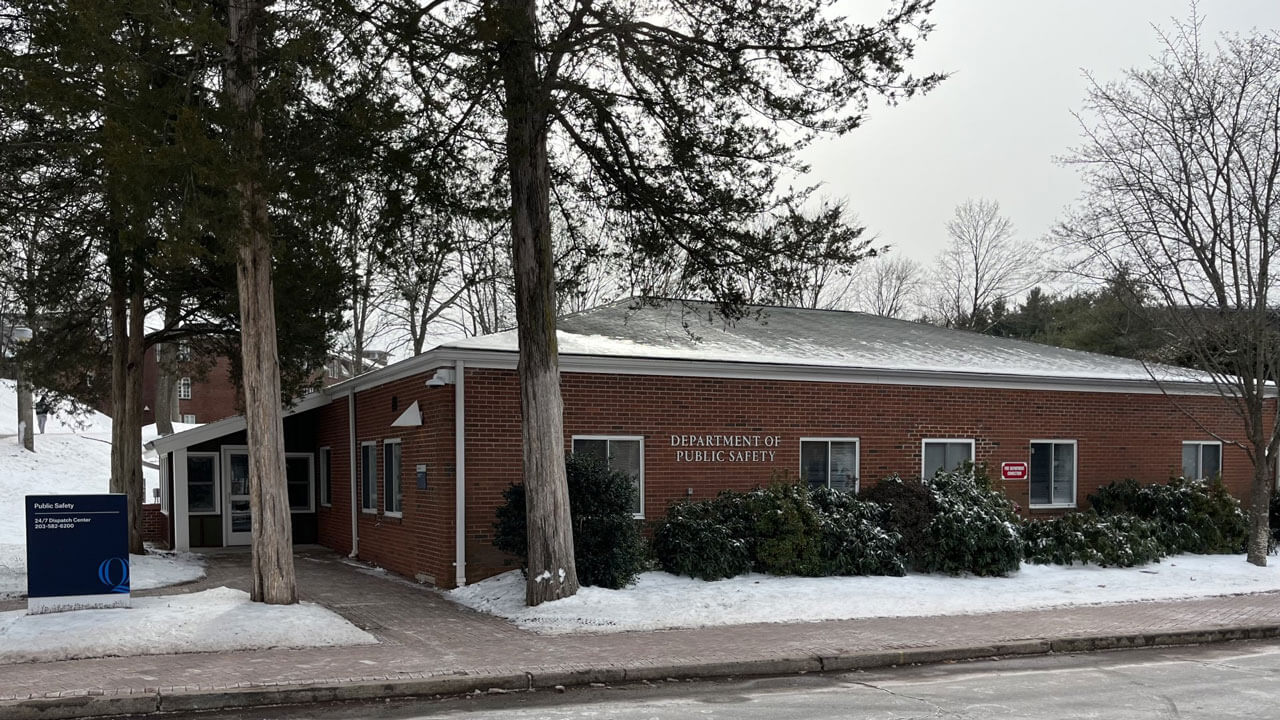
(1088, 538)
(974, 530)
(607, 547)
(908, 509)
(703, 540)
(784, 529)
(1194, 516)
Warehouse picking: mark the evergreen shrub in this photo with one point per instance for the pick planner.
(908, 507)
(607, 547)
(1088, 538)
(784, 529)
(974, 529)
(1194, 516)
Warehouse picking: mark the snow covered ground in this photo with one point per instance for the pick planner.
(72, 456)
(662, 601)
(209, 621)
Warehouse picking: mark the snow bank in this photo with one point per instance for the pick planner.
(662, 601)
(210, 621)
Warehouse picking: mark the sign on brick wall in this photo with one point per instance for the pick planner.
(1013, 471)
(725, 448)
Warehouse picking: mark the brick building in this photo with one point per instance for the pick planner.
(690, 405)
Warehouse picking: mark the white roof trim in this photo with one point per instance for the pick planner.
(166, 444)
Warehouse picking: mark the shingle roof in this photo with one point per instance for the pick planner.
(688, 330)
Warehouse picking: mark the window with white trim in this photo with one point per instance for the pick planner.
(830, 462)
(189, 419)
(368, 477)
(624, 453)
(326, 491)
(184, 352)
(392, 486)
(184, 389)
(944, 454)
(1053, 473)
(202, 483)
(1201, 459)
(298, 476)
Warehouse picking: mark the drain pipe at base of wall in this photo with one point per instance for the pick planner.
(351, 455)
(459, 474)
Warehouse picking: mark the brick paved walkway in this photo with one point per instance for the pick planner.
(423, 635)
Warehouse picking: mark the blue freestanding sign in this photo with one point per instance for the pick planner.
(77, 552)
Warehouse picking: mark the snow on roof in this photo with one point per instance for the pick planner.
(688, 330)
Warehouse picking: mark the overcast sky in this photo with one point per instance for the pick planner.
(995, 126)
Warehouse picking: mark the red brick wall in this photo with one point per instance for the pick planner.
(1117, 435)
(419, 544)
(155, 526)
(213, 396)
(334, 519)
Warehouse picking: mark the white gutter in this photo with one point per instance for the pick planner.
(351, 454)
(459, 474)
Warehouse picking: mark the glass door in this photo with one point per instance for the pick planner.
(237, 521)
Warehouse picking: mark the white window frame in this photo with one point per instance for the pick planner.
(184, 388)
(324, 470)
(1222, 461)
(217, 483)
(386, 489)
(363, 508)
(857, 458)
(311, 481)
(973, 449)
(640, 481)
(183, 352)
(188, 419)
(1075, 475)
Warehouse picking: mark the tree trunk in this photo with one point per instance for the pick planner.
(551, 571)
(166, 402)
(25, 414)
(1264, 476)
(272, 567)
(126, 399)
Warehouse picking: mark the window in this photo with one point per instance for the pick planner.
(1053, 473)
(368, 476)
(184, 352)
(326, 492)
(622, 453)
(392, 493)
(830, 462)
(184, 389)
(202, 483)
(188, 419)
(945, 454)
(297, 475)
(1201, 460)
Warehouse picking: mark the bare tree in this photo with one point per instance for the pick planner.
(982, 265)
(889, 285)
(1181, 163)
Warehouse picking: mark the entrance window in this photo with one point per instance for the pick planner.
(1201, 460)
(202, 483)
(945, 454)
(391, 485)
(830, 462)
(1053, 473)
(298, 477)
(623, 453)
(326, 492)
(368, 476)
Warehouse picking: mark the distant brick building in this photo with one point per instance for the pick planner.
(404, 466)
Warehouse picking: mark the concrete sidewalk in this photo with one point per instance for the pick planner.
(430, 646)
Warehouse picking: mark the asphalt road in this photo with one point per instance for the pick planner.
(1240, 680)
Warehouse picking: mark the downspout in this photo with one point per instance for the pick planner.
(351, 435)
(459, 474)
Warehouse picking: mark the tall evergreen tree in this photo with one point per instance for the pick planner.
(682, 117)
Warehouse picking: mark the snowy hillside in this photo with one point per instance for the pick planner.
(72, 456)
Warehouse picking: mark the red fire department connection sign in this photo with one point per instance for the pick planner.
(1013, 471)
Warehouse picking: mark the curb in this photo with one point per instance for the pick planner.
(160, 701)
